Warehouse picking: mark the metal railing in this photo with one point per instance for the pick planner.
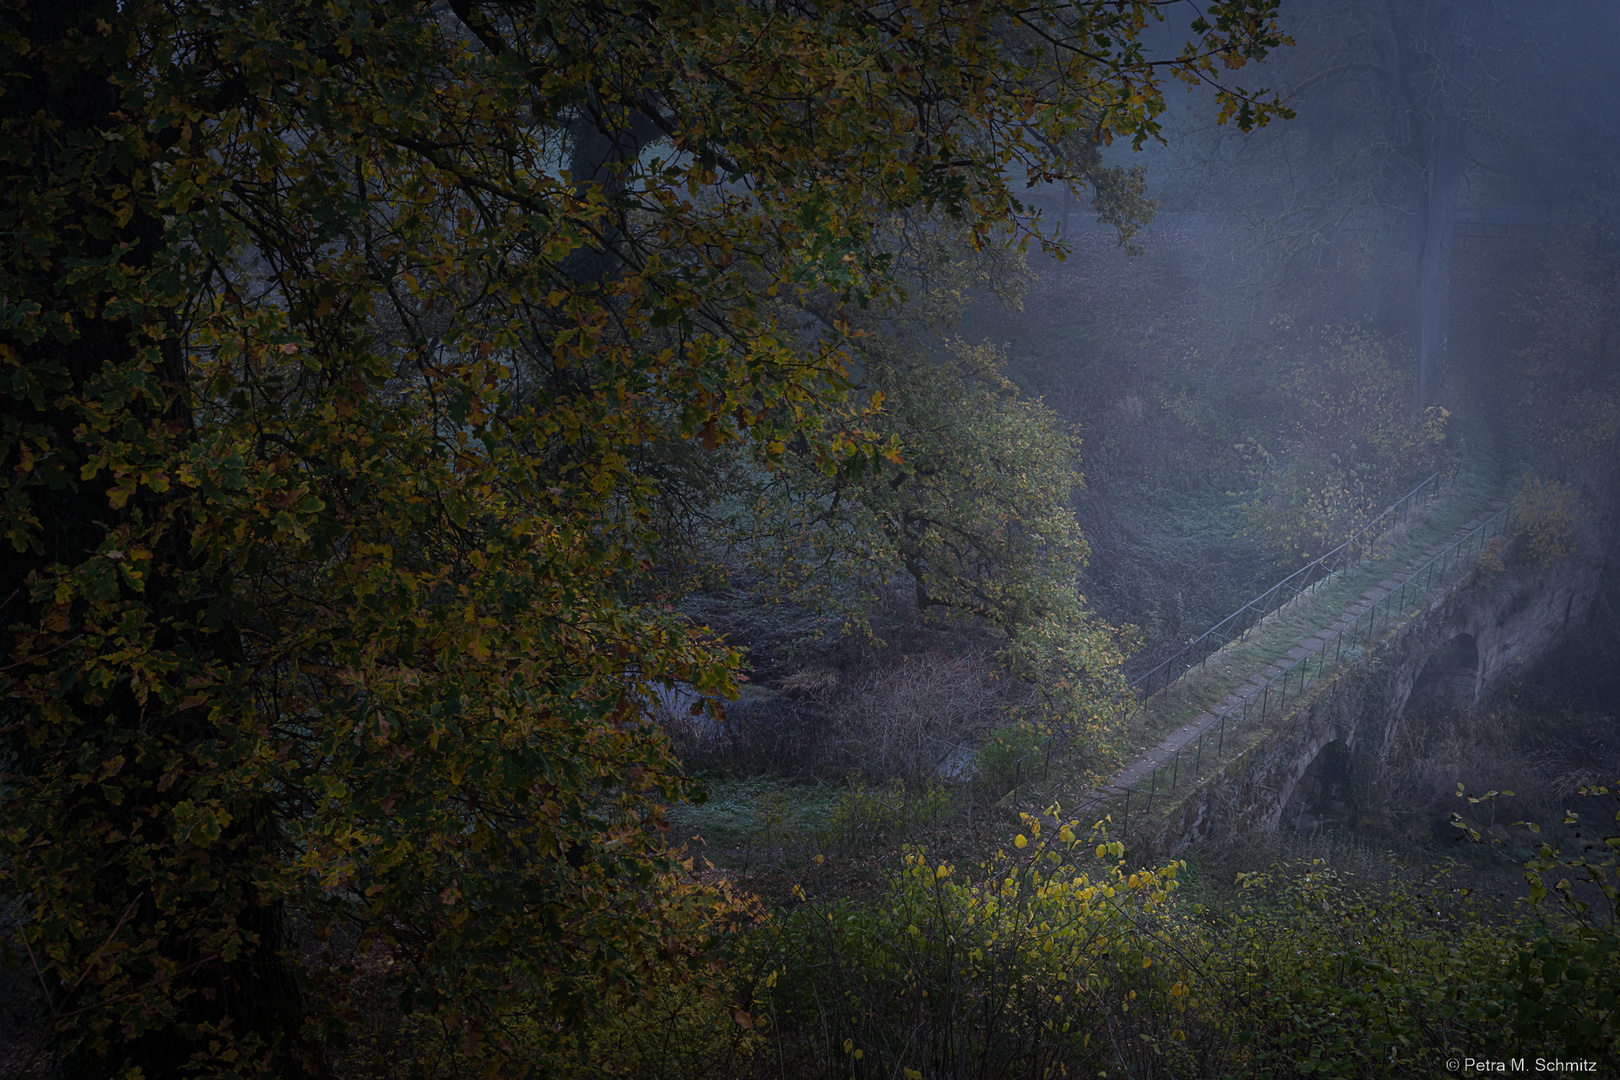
(1236, 626)
(1350, 644)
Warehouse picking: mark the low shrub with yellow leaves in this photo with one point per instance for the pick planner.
(1054, 959)
(1022, 965)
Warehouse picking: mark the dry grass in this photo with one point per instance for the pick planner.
(908, 719)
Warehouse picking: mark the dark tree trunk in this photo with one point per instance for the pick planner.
(63, 93)
(1434, 265)
(1394, 268)
(1424, 61)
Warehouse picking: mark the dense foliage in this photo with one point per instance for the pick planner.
(337, 342)
(1048, 962)
(972, 521)
(1054, 956)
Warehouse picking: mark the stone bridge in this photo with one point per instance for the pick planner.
(1329, 752)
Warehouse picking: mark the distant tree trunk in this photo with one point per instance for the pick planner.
(1393, 265)
(1434, 265)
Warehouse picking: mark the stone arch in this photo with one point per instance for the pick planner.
(1451, 675)
(1324, 795)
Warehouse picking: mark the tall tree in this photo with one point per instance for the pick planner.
(1395, 99)
(329, 333)
(1433, 52)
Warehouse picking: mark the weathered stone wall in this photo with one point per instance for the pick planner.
(1504, 625)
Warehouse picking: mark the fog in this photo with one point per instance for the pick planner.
(1446, 191)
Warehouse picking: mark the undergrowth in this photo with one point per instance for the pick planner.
(1054, 957)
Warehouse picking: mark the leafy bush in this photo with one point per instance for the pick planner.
(677, 1031)
(1560, 987)
(1544, 519)
(1019, 970)
(1325, 980)
(1010, 753)
(1045, 963)
(1348, 444)
(691, 1017)
(867, 813)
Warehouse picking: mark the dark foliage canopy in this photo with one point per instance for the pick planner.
(328, 333)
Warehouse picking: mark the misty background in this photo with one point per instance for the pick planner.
(1448, 190)
(1263, 339)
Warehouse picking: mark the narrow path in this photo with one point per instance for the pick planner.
(1183, 736)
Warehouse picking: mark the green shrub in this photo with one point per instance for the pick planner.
(693, 1017)
(1544, 518)
(1046, 962)
(1325, 980)
(678, 1032)
(1559, 989)
(1019, 969)
(868, 813)
(1009, 754)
